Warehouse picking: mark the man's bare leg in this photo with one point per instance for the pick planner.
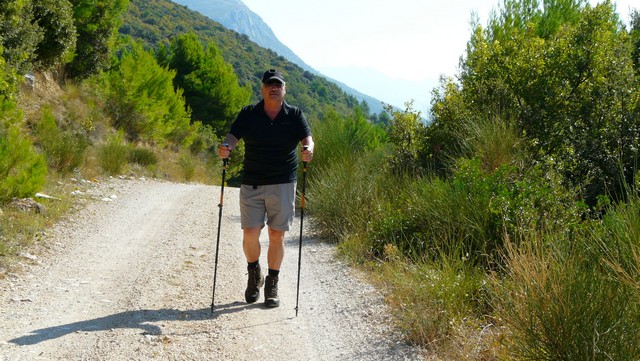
(275, 254)
(251, 247)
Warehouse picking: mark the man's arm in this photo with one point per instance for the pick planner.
(227, 146)
(307, 154)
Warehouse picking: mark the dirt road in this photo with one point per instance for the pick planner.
(130, 278)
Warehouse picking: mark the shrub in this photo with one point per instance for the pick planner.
(114, 154)
(560, 305)
(143, 156)
(339, 138)
(55, 18)
(64, 149)
(343, 197)
(143, 102)
(188, 166)
(433, 301)
(22, 171)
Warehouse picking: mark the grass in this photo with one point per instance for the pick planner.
(23, 231)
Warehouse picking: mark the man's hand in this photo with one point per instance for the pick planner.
(224, 151)
(307, 154)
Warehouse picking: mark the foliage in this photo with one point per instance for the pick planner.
(560, 303)
(407, 135)
(635, 38)
(7, 79)
(64, 149)
(143, 156)
(210, 85)
(20, 35)
(342, 137)
(551, 81)
(143, 102)
(96, 22)
(113, 156)
(619, 240)
(432, 300)
(187, 165)
(22, 170)
(55, 18)
(342, 198)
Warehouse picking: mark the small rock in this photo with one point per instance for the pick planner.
(45, 196)
(28, 256)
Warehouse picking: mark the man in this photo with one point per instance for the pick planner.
(271, 130)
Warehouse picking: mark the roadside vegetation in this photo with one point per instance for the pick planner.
(506, 227)
(509, 226)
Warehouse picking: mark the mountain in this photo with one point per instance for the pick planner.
(157, 22)
(235, 15)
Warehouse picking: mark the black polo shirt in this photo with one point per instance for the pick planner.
(270, 146)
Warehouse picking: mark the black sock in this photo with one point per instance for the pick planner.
(253, 265)
(274, 273)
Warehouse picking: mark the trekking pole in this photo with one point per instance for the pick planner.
(304, 181)
(225, 162)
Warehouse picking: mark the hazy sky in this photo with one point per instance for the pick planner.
(392, 50)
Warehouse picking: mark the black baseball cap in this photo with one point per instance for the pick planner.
(271, 75)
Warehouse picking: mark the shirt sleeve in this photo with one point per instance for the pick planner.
(304, 129)
(238, 127)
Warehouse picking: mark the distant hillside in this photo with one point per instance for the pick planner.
(156, 22)
(235, 15)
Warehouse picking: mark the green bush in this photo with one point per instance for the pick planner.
(55, 18)
(619, 240)
(188, 166)
(22, 170)
(562, 305)
(20, 36)
(143, 156)
(64, 149)
(113, 156)
(337, 138)
(432, 300)
(342, 197)
(143, 102)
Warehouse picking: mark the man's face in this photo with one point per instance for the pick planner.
(274, 90)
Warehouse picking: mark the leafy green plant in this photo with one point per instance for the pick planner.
(20, 36)
(343, 197)
(210, 84)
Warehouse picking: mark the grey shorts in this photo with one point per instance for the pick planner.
(274, 202)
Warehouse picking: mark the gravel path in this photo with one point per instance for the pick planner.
(131, 279)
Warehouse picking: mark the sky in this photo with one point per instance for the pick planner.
(395, 51)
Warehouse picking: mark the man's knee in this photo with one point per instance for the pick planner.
(276, 235)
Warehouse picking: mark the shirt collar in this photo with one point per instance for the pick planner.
(285, 107)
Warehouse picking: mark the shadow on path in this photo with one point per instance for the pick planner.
(141, 319)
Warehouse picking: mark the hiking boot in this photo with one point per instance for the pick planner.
(271, 292)
(255, 281)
